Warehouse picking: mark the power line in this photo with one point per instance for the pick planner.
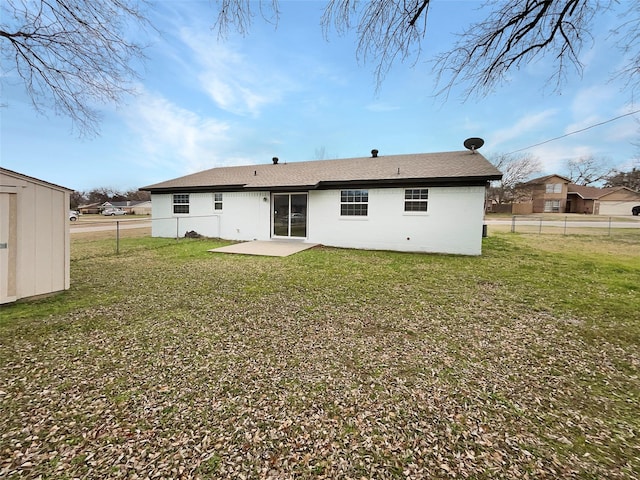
(576, 131)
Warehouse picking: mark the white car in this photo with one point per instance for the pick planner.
(110, 212)
(73, 215)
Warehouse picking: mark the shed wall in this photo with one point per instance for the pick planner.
(41, 246)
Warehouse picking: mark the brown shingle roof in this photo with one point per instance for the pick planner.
(445, 167)
(590, 193)
(543, 180)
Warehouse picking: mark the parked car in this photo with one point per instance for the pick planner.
(113, 211)
(73, 215)
(635, 210)
(295, 218)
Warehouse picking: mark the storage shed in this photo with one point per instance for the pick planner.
(34, 237)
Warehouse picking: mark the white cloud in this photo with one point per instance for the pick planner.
(588, 104)
(175, 138)
(231, 80)
(523, 126)
(382, 107)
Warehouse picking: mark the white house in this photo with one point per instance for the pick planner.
(34, 237)
(430, 202)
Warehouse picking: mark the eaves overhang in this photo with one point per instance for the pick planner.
(333, 184)
(195, 188)
(417, 182)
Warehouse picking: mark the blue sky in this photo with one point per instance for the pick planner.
(288, 92)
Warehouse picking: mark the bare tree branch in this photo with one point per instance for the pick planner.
(588, 170)
(628, 34)
(388, 30)
(513, 35)
(515, 170)
(239, 15)
(71, 54)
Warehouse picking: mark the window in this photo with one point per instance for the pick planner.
(415, 199)
(217, 201)
(354, 203)
(552, 206)
(181, 203)
(554, 187)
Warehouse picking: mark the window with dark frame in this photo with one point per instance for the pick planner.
(181, 203)
(217, 201)
(415, 199)
(354, 203)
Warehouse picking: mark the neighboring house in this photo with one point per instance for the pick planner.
(90, 208)
(548, 194)
(34, 237)
(556, 194)
(131, 207)
(141, 208)
(419, 202)
(601, 201)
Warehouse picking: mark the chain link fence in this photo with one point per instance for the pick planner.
(569, 225)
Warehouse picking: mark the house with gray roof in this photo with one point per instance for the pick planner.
(429, 202)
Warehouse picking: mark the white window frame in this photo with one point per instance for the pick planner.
(553, 188)
(180, 204)
(418, 197)
(217, 202)
(354, 203)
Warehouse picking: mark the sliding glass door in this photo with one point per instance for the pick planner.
(290, 215)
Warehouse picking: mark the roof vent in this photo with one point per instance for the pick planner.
(374, 153)
(275, 160)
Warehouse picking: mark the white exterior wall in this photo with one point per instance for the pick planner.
(35, 237)
(244, 216)
(452, 224)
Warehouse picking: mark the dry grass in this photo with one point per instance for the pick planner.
(169, 362)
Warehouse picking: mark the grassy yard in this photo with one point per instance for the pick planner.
(169, 361)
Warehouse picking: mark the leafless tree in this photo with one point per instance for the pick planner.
(239, 14)
(71, 54)
(587, 170)
(515, 170)
(511, 35)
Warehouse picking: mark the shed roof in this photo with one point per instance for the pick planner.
(462, 167)
(21, 176)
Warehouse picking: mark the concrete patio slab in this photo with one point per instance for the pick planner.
(270, 248)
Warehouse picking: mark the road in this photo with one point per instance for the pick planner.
(105, 225)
